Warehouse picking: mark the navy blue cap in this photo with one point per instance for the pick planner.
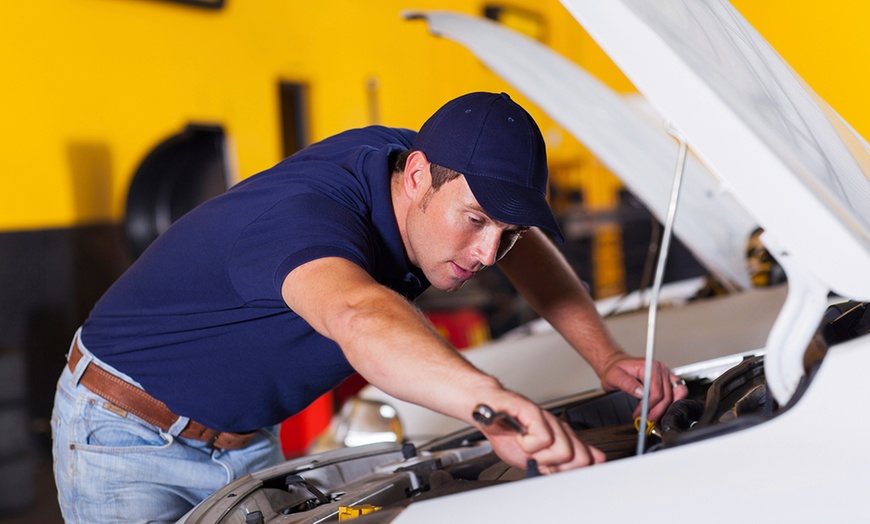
(497, 145)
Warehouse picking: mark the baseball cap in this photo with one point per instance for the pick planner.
(497, 145)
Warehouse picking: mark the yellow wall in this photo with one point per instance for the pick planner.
(90, 86)
(826, 43)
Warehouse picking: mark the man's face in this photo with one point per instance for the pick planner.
(451, 238)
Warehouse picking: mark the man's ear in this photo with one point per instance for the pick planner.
(416, 177)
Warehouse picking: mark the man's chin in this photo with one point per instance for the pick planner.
(450, 286)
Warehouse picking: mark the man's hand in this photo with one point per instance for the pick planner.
(547, 440)
(626, 373)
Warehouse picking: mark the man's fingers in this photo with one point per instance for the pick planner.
(543, 434)
(566, 451)
(584, 455)
(665, 388)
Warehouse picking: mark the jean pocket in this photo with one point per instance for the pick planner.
(109, 429)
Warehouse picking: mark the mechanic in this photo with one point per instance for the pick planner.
(260, 300)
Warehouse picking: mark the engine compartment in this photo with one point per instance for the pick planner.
(375, 483)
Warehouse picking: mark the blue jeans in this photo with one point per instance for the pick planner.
(113, 468)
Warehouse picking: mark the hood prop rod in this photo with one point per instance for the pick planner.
(657, 282)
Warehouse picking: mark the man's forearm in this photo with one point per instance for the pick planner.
(542, 275)
(385, 338)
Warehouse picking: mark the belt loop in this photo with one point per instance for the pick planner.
(84, 362)
(178, 426)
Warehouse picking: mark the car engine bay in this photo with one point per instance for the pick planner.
(376, 482)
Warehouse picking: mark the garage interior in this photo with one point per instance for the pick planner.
(121, 116)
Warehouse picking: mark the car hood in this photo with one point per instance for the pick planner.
(798, 169)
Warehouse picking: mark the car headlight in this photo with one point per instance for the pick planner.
(360, 422)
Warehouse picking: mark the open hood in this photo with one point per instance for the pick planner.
(793, 163)
(711, 224)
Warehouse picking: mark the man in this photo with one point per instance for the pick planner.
(260, 300)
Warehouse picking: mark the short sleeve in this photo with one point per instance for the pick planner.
(294, 231)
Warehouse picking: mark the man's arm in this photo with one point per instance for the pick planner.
(395, 348)
(542, 275)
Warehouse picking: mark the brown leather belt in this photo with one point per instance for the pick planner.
(121, 394)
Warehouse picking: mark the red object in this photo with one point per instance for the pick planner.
(464, 328)
(300, 430)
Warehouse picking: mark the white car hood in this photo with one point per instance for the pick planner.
(793, 163)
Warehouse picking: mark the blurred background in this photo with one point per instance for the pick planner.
(120, 115)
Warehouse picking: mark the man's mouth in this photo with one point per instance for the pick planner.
(462, 273)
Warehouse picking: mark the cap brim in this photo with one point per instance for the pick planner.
(514, 204)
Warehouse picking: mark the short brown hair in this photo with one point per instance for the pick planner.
(440, 174)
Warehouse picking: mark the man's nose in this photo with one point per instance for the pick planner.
(486, 248)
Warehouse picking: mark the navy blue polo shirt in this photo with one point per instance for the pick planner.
(198, 319)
